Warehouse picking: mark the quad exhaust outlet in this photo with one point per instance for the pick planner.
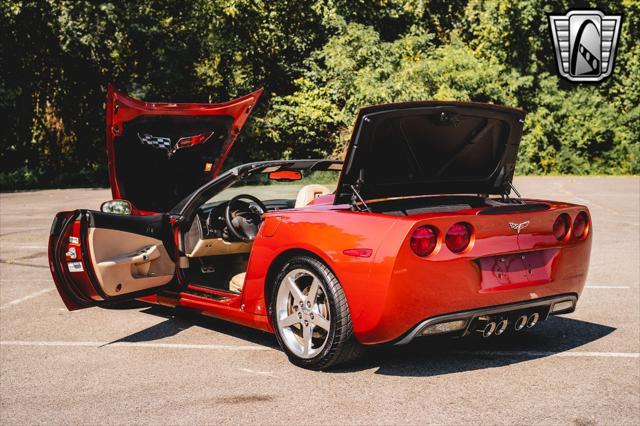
(532, 320)
(498, 321)
(489, 328)
(521, 322)
(502, 327)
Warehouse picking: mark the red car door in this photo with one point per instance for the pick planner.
(99, 257)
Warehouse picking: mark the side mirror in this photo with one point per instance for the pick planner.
(123, 207)
(285, 176)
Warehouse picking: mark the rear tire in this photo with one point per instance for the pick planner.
(311, 317)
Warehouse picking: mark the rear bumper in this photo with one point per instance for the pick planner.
(549, 305)
(396, 300)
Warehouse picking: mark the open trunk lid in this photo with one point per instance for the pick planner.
(422, 148)
(161, 152)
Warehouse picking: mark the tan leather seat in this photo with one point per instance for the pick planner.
(309, 193)
(237, 282)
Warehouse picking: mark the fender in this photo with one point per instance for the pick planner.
(362, 278)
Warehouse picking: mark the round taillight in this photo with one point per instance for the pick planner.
(458, 237)
(424, 240)
(580, 225)
(561, 226)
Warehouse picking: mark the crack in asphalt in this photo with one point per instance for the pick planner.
(13, 262)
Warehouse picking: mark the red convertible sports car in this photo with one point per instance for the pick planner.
(414, 234)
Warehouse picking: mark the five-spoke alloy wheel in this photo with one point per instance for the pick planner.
(310, 315)
(302, 314)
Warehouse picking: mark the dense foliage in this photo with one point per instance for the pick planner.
(319, 61)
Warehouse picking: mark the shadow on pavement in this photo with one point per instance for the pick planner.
(440, 356)
(422, 358)
(178, 320)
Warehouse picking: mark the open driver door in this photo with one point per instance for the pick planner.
(99, 257)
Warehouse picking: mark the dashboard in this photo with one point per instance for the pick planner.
(209, 236)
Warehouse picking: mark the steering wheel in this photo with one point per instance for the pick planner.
(245, 223)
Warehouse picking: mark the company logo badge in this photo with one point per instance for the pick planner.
(161, 142)
(518, 227)
(585, 42)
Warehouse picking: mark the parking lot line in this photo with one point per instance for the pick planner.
(137, 345)
(535, 354)
(27, 297)
(28, 247)
(608, 287)
(539, 354)
(258, 373)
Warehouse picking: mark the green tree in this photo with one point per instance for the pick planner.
(319, 61)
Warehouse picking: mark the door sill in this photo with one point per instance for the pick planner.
(213, 293)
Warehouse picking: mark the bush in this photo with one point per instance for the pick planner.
(319, 62)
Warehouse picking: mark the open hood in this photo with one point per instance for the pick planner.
(422, 148)
(161, 152)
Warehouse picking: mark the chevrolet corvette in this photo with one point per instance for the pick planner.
(418, 232)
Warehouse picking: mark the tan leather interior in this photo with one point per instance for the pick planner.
(237, 282)
(125, 262)
(309, 193)
(196, 246)
(218, 246)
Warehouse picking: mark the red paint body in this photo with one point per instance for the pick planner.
(393, 290)
(388, 287)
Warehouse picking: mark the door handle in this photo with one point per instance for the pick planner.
(138, 257)
(144, 255)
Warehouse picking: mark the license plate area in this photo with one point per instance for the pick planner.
(517, 269)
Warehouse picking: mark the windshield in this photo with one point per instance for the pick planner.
(260, 186)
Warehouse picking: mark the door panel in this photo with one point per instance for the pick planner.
(98, 257)
(126, 262)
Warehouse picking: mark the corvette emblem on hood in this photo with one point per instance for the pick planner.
(518, 226)
(155, 141)
(165, 143)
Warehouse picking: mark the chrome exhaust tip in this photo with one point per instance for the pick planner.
(488, 329)
(533, 320)
(521, 322)
(501, 327)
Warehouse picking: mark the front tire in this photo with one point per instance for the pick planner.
(311, 317)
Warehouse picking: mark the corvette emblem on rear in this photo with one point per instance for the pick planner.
(518, 226)
(585, 43)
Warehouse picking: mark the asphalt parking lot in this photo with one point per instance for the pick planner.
(144, 364)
